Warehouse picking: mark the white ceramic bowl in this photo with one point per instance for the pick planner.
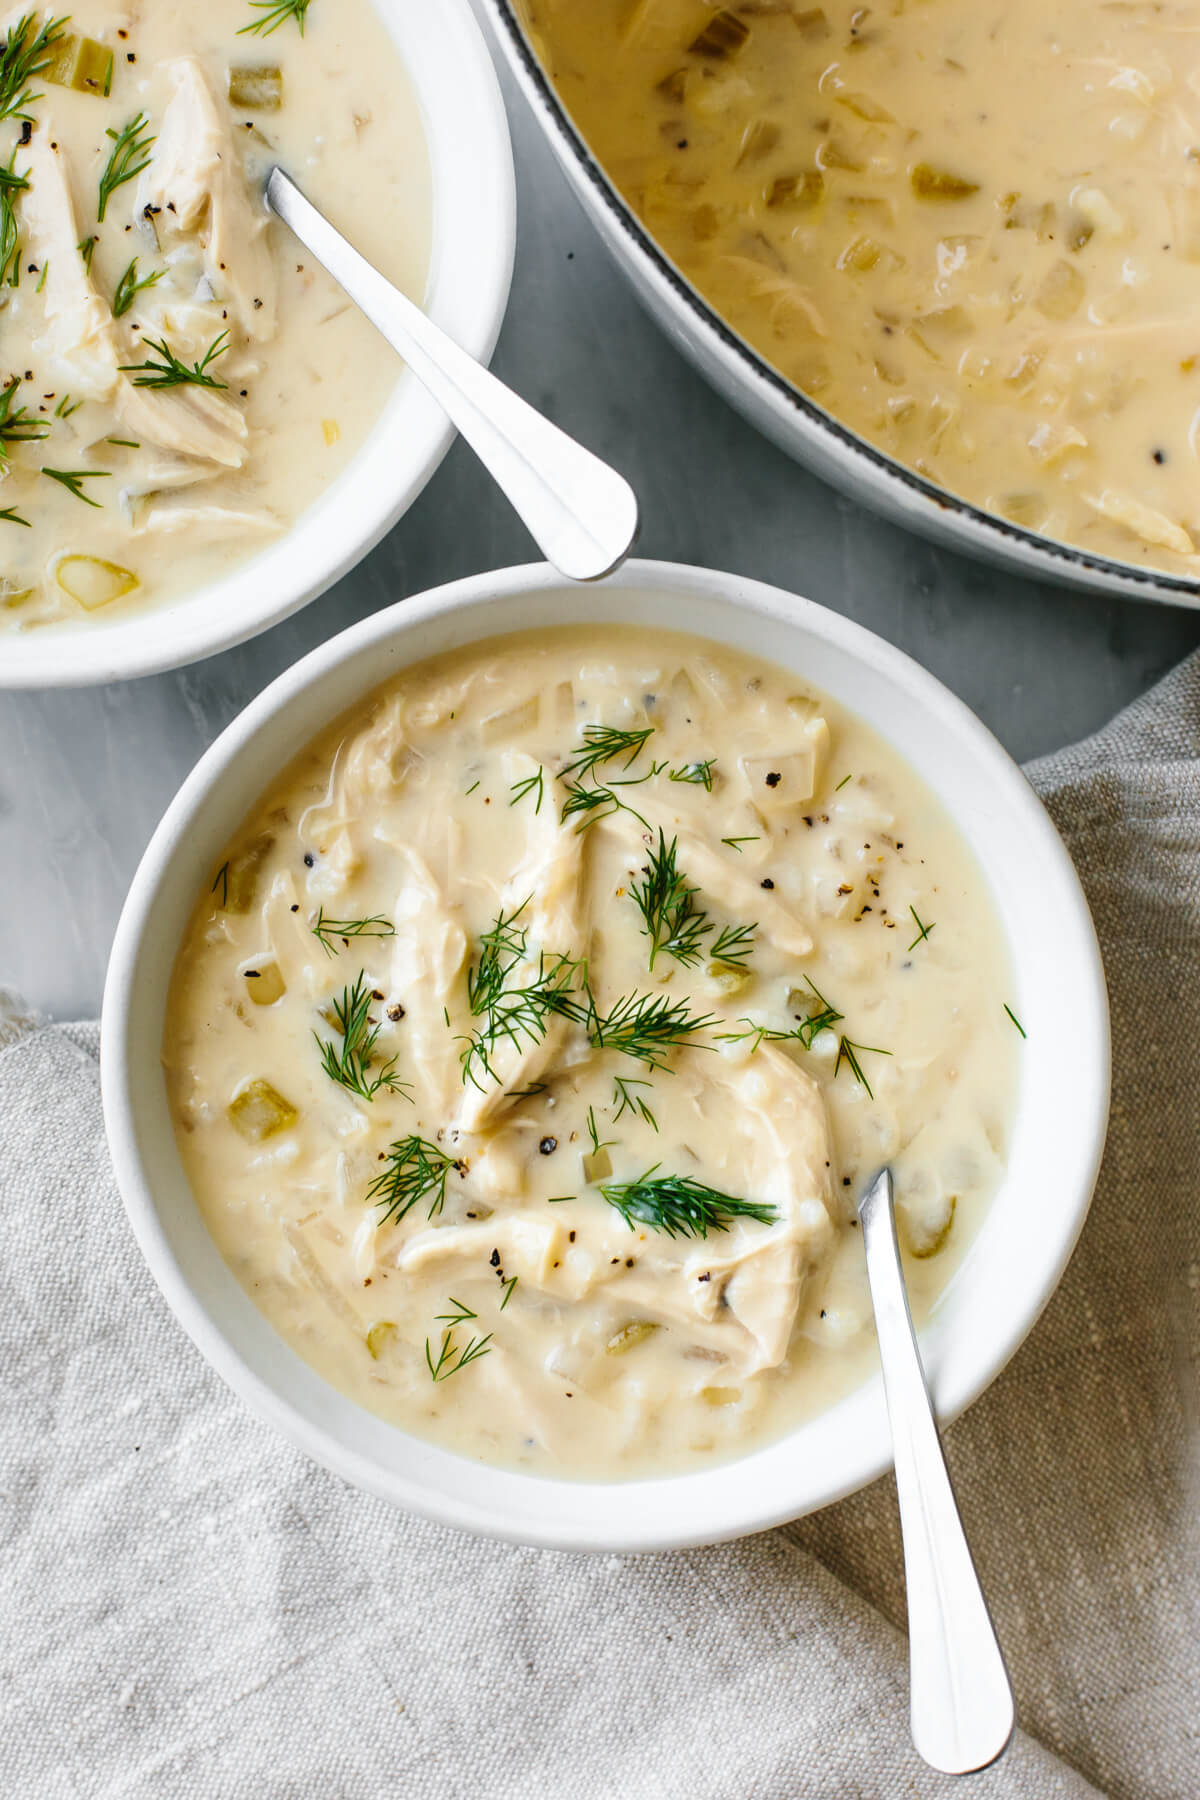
(1006, 1277)
(770, 402)
(474, 234)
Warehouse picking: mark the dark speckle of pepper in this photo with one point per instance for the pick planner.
(548, 1146)
(494, 1259)
(774, 778)
(766, 882)
(1160, 456)
(309, 859)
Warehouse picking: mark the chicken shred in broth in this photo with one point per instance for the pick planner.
(178, 380)
(969, 230)
(544, 1020)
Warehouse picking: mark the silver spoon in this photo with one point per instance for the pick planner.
(583, 515)
(960, 1699)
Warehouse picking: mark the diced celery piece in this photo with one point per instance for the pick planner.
(260, 88)
(379, 1336)
(84, 64)
(720, 1396)
(63, 56)
(798, 193)
(265, 984)
(241, 882)
(92, 581)
(259, 1111)
(940, 184)
(727, 979)
(635, 1332)
(931, 1246)
(597, 1165)
(723, 36)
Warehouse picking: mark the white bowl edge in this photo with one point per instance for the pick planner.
(992, 1301)
(467, 289)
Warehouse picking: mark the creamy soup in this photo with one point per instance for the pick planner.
(970, 230)
(179, 380)
(543, 1023)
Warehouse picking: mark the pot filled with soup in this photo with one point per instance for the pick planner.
(185, 396)
(507, 1021)
(945, 253)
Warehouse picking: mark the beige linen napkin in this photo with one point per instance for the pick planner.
(188, 1608)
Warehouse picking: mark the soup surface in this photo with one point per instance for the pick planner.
(179, 379)
(969, 229)
(544, 1021)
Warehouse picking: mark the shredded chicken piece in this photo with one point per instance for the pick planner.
(195, 183)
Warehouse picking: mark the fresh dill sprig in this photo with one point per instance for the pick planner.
(645, 1026)
(11, 184)
(348, 1063)
(735, 843)
(821, 1016)
(700, 774)
(416, 1171)
(126, 160)
(326, 930)
(25, 56)
(679, 1205)
(222, 875)
(73, 480)
(169, 372)
(733, 944)
(625, 1101)
(450, 1358)
(87, 249)
(276, 13)
(598, 1144)
(671, 919)
(530, 784)
(923, 931)
(1012, 1015)
(459, 1316)
(129, 287)
(509, 1285)
(604, 743)
(592, 804)
(66, 407)
(509, 1007)
(17, 426)
(11, 516)
(849, 1054)
(841, 784)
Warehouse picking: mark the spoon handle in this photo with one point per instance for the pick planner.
(961, 1701)
(583, 515)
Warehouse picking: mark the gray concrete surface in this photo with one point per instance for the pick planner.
(84, 776)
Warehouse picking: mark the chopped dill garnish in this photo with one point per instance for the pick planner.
(129, 287)
(11, 516)
(450, 1358)
(680, 1205)
(73, 480)
(11, 184)
(645, 1026)
(849, 1053)
(592, 804)
(87, 249)
(42, 281)
(509, 1006)
(126, 160)
(472, 787)
(222, 876)
(530, 784)
(459, 1316)
(671, 919)
(923, 931)
(604, 743)
(124, 443)
(509, 1285)
(66, 407)
(560, 1199)
(276, 13)
(25, 56)
(841, 784)
(19, 426)
(597, 1144)
(735, 843)
(700, 774)
(169, 372)
(348, 1063)
(624, 1101)
(1012, 1015)
(416, 1171)
(326, 930)
(733, 944)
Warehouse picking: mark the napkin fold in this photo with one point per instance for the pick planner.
(190, 1609)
